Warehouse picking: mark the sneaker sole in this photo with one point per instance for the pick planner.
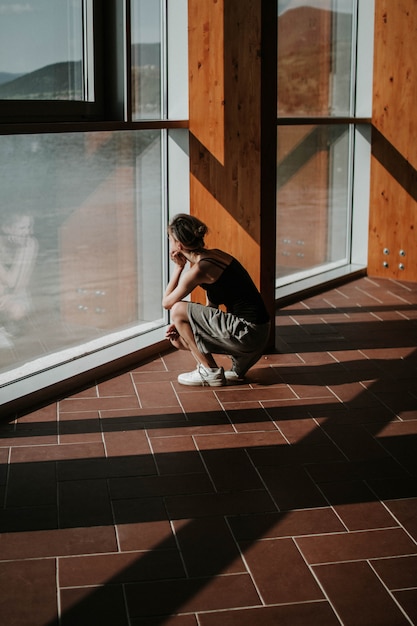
(203, 383)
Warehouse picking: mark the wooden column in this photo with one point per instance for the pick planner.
(393, 205)
(232, 57)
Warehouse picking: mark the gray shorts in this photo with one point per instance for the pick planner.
(223, 333)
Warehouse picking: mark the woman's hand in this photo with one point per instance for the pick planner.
(178, 258)
(172, 333)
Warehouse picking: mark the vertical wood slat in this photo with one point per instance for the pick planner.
(233, 132)
(393, 205)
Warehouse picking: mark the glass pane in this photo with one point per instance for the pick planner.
(312, 198)
(146, 59)
(315, 57)
(41, 50)
(81, 240)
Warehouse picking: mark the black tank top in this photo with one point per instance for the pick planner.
(236, 290)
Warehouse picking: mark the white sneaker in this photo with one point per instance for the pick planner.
(203, 376)
(232, 376)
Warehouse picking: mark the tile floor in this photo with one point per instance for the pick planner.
(288, 500)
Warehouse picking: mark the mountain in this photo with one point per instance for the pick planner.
(59, 81)
(6, 77)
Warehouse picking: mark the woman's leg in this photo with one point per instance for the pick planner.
(179, 316)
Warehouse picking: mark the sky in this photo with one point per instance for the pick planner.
(36, 33)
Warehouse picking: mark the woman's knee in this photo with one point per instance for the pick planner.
(179, 312)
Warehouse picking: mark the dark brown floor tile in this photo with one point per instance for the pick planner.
(355, 504)
(200, 401)
(280, 572)
(292, 488)
(93, 605)
(242, 503)
(84, 503)
(31, 484)
(208, 547)
(358, 596)
(171, 620)
(177, 455)
(405, 511)
(211, 422)
(155, 535)
(159, 486)
(407, 599)
(62, 542)
(384, 468)
(190, 595)
(240, 440)
(260, 394)
(80, 431)
(287, 524)
(302, 431)
(27, 518)
(356, 545)
(394, 488)
(139, 510)
(87, 469)
(397, 573)
(219, 463)
(119, 568)
(287, 456)
(248, 417)
(28, 596)
(354, 441)
(311, 613)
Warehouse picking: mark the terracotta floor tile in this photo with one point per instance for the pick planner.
(311, 613)
(280, 572)
(93, 605)
(31, 596)
(287, 524)
(119, 568)
(118, 386)
(155, 535)
(397, 573)
(407, 599)
(358, 596)
(207, 547)
(241, 503)
(356, 545)
(62, 542)
(189, 595)
(159, 486)
(84, 503)
(159, 394)
(405, 511)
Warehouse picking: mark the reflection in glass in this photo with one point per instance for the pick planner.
(42, 50)
(81, 239)
(313, 199)
(146, 59)
(315, 57)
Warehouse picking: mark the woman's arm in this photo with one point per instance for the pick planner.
(181, 284)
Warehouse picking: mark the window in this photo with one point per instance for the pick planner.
(319, 49)
(83, 220)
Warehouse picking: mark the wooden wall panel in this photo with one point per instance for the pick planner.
(393, 205)
(229, 154)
